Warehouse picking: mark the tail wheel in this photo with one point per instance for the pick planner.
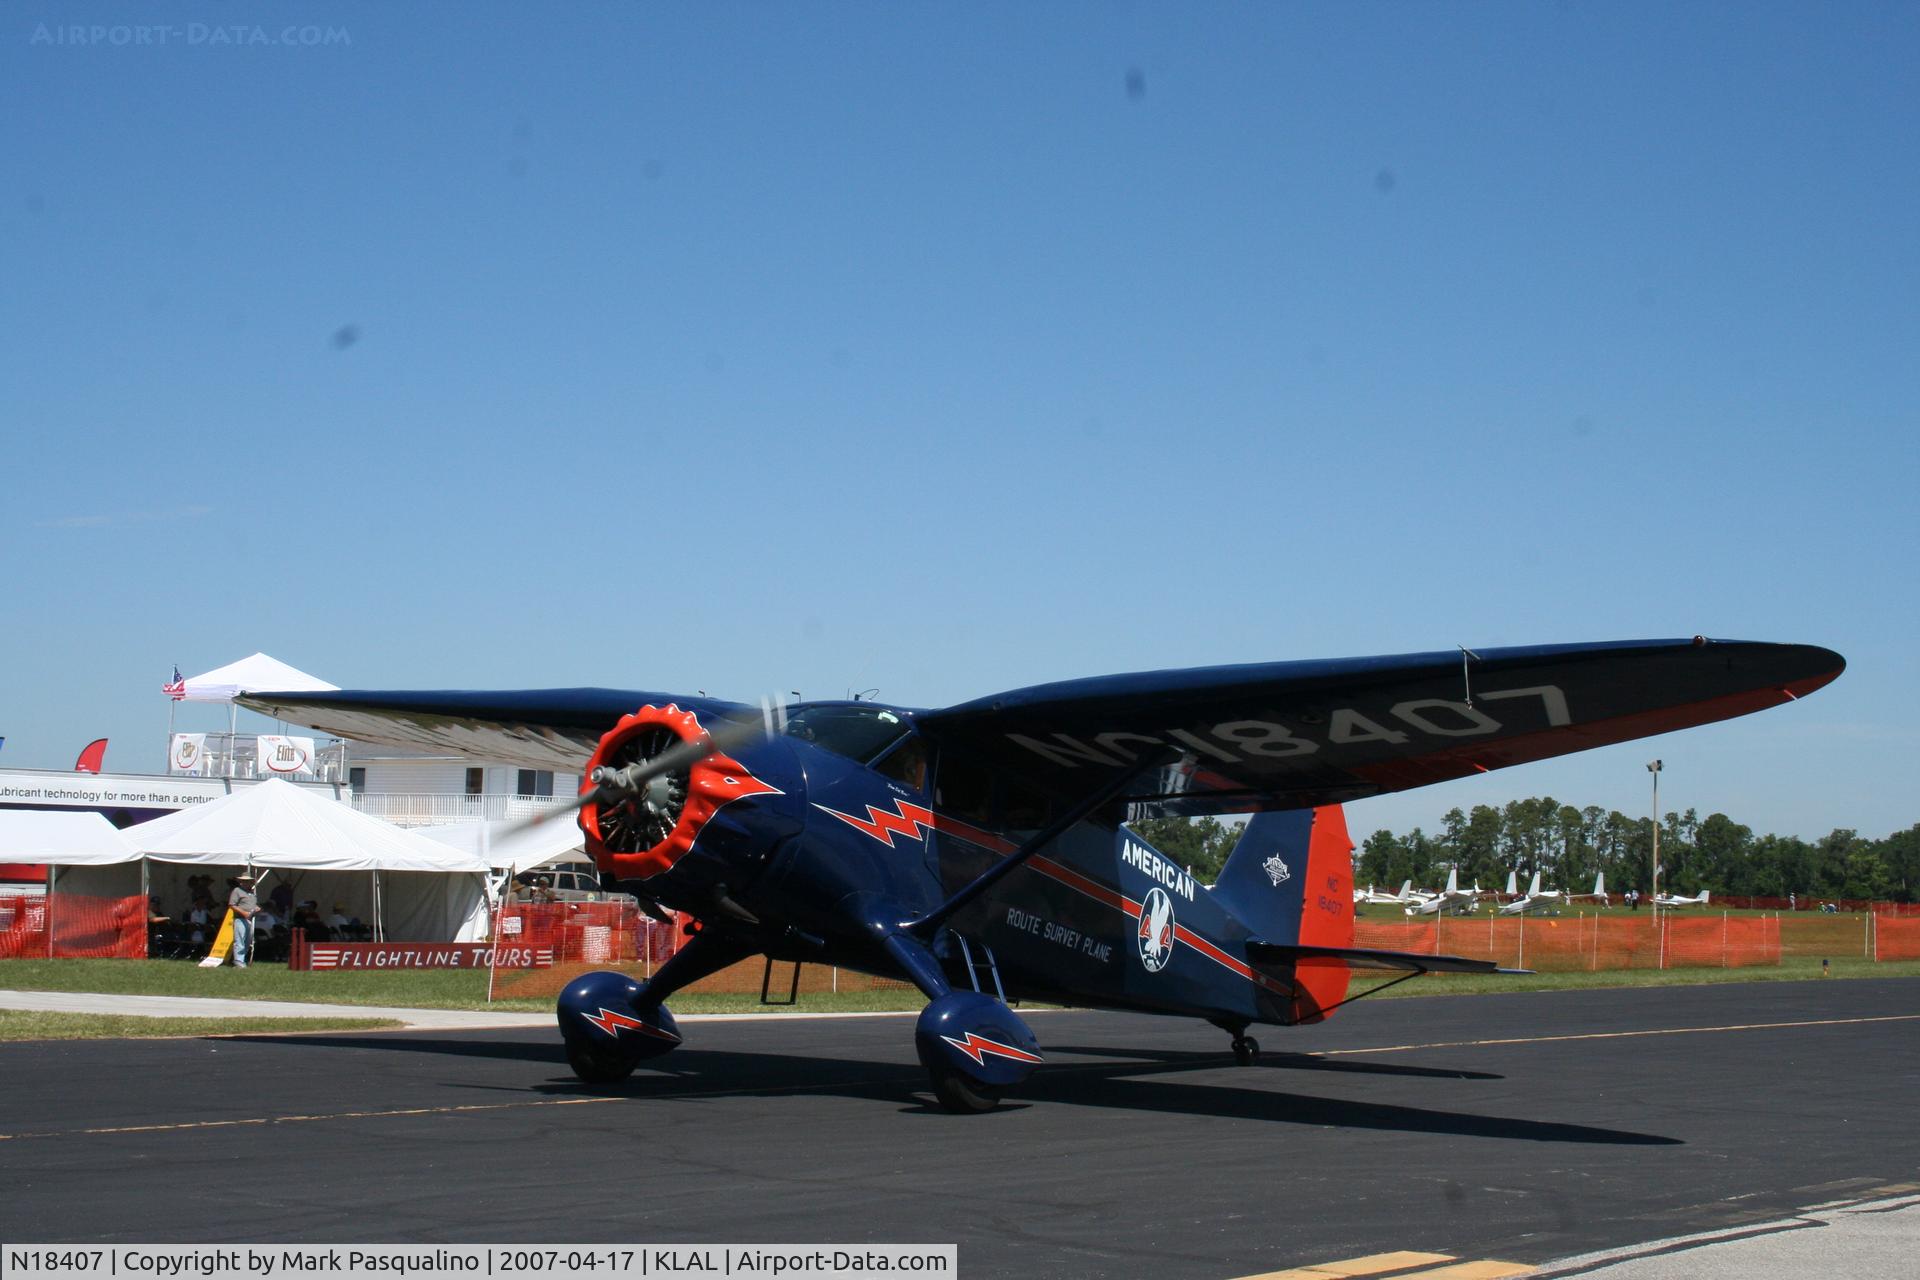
(962, 1096)
(1246, 1050)
(596, 1065)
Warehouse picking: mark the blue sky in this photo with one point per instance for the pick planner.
(945, 349)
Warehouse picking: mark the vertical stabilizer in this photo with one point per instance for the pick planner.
(1533, 886)
(1513, 884)
(1289, 880)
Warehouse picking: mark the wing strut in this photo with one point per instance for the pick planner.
(932, 920)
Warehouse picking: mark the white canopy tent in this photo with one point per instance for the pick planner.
(500, 844)
(62, 838)
(259, 672)
(509, 845)
(224, 684)
(411, 887)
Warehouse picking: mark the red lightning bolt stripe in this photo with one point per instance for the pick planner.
(975, 1046)
(913, 822)
(611, 1023)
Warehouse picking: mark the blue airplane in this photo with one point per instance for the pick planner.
(981, 852)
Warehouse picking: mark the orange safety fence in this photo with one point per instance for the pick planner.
(1896, 936)
(590, 936)
(72, 926)
(1589, 942)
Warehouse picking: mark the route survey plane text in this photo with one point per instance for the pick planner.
(480, 1261)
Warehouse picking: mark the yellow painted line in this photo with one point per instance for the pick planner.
(1618, 1035)
(335, 1115)
(1488, 1270)
(1373, 1264)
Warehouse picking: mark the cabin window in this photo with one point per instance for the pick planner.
(966, 791)
(856, 731)
(906, 763)
(1022, 809)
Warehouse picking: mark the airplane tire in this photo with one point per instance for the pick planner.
(1246, 1050)
(597, 1066)
(962, 1096)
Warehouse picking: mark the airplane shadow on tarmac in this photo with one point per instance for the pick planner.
(711, 1074)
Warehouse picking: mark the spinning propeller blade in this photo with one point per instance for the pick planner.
(617, 786)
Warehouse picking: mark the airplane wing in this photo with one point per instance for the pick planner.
(533, 728)
(1293, 734)
(1261, 736)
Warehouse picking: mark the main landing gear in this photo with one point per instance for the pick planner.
(597, 1065)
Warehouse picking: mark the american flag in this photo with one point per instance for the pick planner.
(175, 688)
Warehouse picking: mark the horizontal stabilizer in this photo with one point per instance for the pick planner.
(1368, 958)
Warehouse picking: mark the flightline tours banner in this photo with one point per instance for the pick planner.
(415, 955)
(189, 754)
(478, 1261)
(281, 755)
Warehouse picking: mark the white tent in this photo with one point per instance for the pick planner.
(414, 888)
(62, 838)
(224, 684)
(259, 672)
(499, 844)
(277, 824)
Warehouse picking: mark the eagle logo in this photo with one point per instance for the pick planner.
(1156, 931)
(1276, 870)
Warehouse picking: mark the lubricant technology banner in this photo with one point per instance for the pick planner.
(482, 1262)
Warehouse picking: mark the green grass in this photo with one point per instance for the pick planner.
(418, 988)
(35, 1024)
(459, 989)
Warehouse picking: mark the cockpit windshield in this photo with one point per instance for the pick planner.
(857, 731)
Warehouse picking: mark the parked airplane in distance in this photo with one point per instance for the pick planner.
(1371, 897)
(1452, 900)
(1599, 893)
(1533, 899)
(1675, 900)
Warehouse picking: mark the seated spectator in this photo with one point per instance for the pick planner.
(275, 944)
(307, 920)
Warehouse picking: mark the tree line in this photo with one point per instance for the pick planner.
(1568, 846)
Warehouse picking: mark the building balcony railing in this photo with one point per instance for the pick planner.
(423, 809)
(236, 755)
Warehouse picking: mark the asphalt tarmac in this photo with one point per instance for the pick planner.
(1525, 1127)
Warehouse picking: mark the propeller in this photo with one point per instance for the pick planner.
(646, 781)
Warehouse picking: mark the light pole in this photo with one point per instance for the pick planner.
(1653, 767)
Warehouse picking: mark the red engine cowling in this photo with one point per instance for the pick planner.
(641, 836)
